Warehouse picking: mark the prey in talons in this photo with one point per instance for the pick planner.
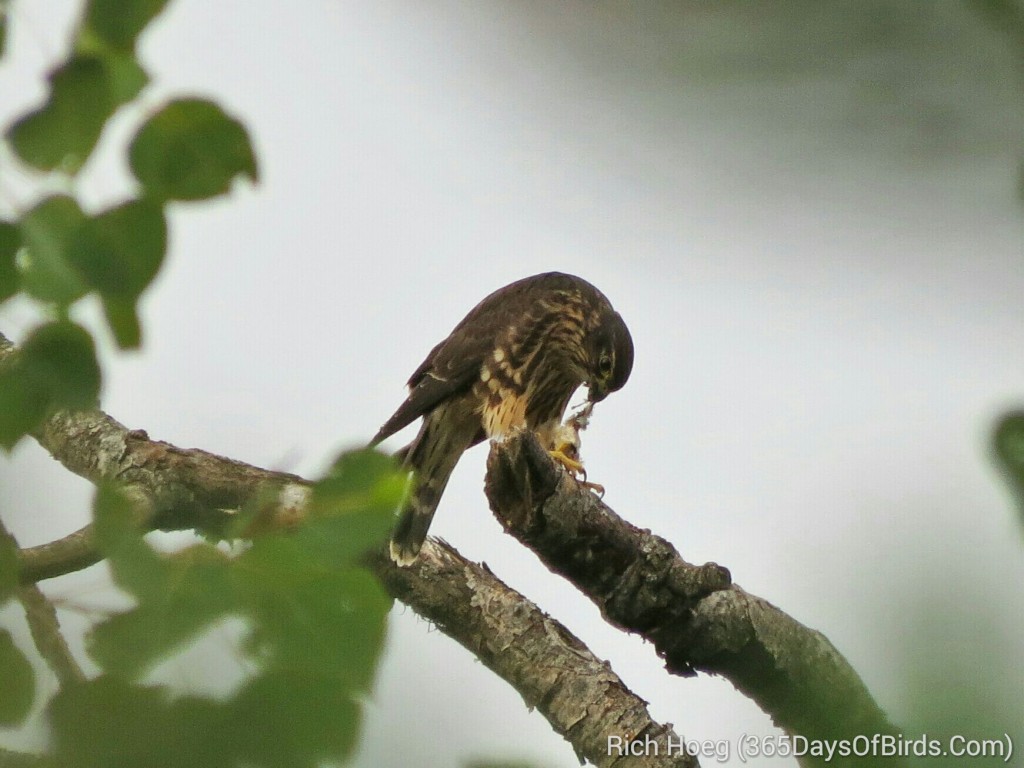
(567, 443)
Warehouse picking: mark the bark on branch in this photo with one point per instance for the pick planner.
(697, 619)
(581, 696)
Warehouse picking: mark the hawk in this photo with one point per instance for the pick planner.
(513, 362)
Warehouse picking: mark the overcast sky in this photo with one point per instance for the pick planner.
(808, 221)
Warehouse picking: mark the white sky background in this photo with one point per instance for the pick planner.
(813, 236)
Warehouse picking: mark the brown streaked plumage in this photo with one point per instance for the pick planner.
(513, 362)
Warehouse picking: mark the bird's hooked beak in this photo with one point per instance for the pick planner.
(597, 390)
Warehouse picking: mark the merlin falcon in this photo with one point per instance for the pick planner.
(513, 362)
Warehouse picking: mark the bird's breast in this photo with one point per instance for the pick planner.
(503, 411)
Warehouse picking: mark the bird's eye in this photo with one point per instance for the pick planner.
(604, 365)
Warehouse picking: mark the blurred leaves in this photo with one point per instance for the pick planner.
(1008, 443)
(56, 252)
(18, 682)
(84, 92)
(316, 621)
(315, 617)
(55, 368)
(191, 150)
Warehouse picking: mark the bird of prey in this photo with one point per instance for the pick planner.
(513, 362)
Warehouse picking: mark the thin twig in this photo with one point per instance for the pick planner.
(45, 628)
(55, 558)
(49, 640)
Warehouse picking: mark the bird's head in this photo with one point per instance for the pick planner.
(609, 357)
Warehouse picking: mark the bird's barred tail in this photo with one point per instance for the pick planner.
(432, 455)
(413, 524)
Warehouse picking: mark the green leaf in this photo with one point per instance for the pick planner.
(1008, 441)
(108, 722)
(60, 359)
(48, 231)
(8, 567)
(22, 407)
(65, 129)
(19, 685)
(312, 622)
(125, 76)
(10, 242)
(357, 479)
(283, 720)
(55, 368)
(123, 319)
(3, 28)
(119, 23)
(191, 150)
(118, 253)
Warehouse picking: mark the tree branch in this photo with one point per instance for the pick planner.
(580, 695)
(43, 624)
(55, 558)
(695, 617)
(186, 488)
(582, 698)
(45, 628)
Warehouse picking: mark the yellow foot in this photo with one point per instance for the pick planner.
(567, 455)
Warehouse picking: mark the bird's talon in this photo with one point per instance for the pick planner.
(565, 454)
(561, 455)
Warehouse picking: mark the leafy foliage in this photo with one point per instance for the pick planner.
(315, 617)
(57, 253)
(316, 621)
